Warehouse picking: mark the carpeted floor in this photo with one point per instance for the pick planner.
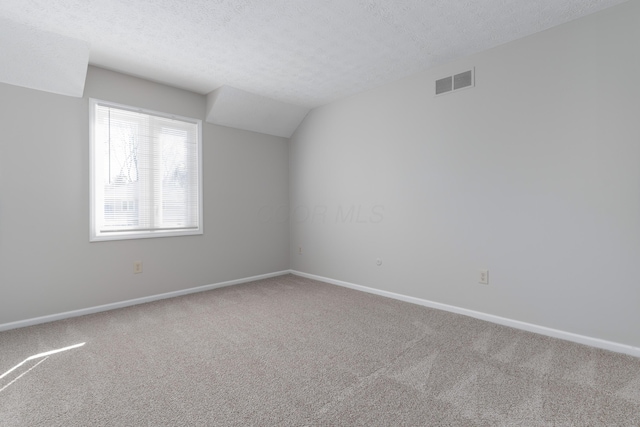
(293, 351)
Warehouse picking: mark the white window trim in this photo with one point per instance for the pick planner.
(95, 236)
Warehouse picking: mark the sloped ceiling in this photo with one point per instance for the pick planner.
(228, 106)
(305, 53)
(42, 60)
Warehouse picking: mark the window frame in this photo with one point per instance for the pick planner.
(97, 236)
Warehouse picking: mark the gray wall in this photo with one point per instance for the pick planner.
(533, 174)
(47, 264)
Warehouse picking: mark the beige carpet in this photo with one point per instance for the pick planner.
(292, 351)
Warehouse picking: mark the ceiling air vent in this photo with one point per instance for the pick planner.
(455, 82)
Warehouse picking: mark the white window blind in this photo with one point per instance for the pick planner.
(146, 173)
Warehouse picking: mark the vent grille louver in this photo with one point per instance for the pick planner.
(444, 85)
(462, 80)
(456, 82)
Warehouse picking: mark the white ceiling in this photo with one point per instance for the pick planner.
(228, 106)
(303, 52)
(42, 60)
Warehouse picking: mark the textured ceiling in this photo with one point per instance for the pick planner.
(303, 52)
(42, 60)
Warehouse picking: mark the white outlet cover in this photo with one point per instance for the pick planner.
(484, 277)
(137, 267)
(378, 262)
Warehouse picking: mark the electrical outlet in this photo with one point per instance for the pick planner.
(484, 277)
(378, 262)
(299, 250)
(137, 267)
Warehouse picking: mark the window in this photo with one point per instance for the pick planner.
(146, 173)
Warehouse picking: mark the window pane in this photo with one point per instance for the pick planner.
(122, 182)
(146, 173)
(175, 177)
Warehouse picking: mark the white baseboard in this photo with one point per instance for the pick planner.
(555, 333)
(113, 306)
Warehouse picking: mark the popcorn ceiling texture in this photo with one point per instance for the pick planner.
(42, 60)
(300, 52)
